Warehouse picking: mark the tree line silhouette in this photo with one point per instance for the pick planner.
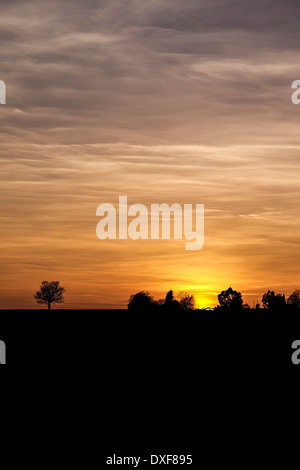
(229, 300)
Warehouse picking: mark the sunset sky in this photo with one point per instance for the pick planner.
(164, 101)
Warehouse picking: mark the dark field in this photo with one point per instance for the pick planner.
(199, 382)
(177, 344)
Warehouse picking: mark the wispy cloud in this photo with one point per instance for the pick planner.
(165, 102)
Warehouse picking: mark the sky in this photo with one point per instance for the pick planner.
(162, 101)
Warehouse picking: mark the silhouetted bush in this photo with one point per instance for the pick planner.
(141, 301)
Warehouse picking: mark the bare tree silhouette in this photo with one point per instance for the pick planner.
(50, 293)
(294, 299)
(186, 301)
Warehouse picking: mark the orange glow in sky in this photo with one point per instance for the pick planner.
(102, 104)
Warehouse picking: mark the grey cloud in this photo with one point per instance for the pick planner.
(147, 71)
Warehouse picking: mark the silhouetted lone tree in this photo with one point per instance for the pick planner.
(230, 300)
(50, 293)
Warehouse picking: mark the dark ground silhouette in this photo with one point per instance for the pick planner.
(178, 343)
